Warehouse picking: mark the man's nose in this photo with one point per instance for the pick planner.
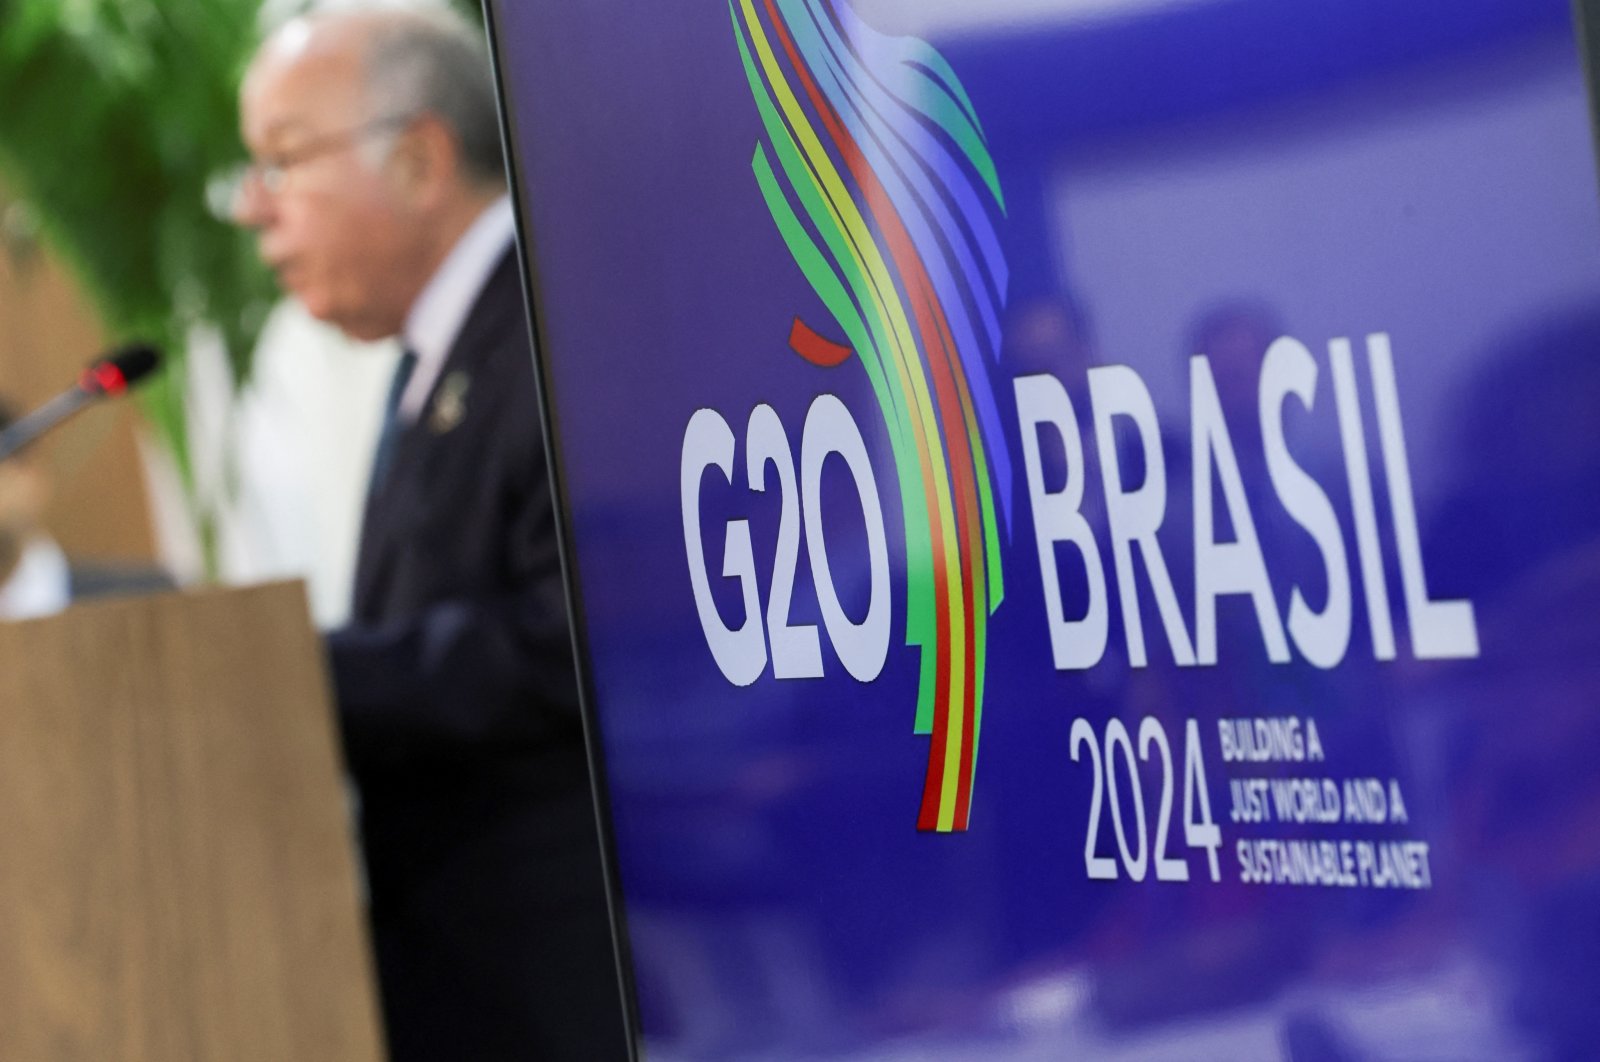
(252, 205)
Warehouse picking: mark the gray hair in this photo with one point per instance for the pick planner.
(432, 60)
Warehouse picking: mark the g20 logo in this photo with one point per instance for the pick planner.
(877, 176)
(742, 652)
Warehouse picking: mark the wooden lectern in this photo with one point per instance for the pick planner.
(177, 877)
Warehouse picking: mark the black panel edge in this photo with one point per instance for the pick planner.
(1586, 22)
(510, 144)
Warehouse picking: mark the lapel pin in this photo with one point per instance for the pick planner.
(450, 404)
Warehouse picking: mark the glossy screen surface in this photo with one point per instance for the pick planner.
(1084, 516)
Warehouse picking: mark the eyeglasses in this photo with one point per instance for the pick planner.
(269, 175)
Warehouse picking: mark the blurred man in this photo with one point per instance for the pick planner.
(378, 196)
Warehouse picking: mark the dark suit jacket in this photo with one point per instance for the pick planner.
(458, 705)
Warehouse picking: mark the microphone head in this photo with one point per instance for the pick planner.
(121, 369)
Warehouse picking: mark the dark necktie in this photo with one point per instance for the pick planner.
(390, 434)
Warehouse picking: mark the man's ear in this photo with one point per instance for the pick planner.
(425, 162)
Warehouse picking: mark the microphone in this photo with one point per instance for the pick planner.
(108, 377)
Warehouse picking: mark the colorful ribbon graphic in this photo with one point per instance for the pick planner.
(884, 193)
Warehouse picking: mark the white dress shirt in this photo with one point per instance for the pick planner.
(439, 312)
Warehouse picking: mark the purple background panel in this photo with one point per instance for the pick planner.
(1181, 178)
